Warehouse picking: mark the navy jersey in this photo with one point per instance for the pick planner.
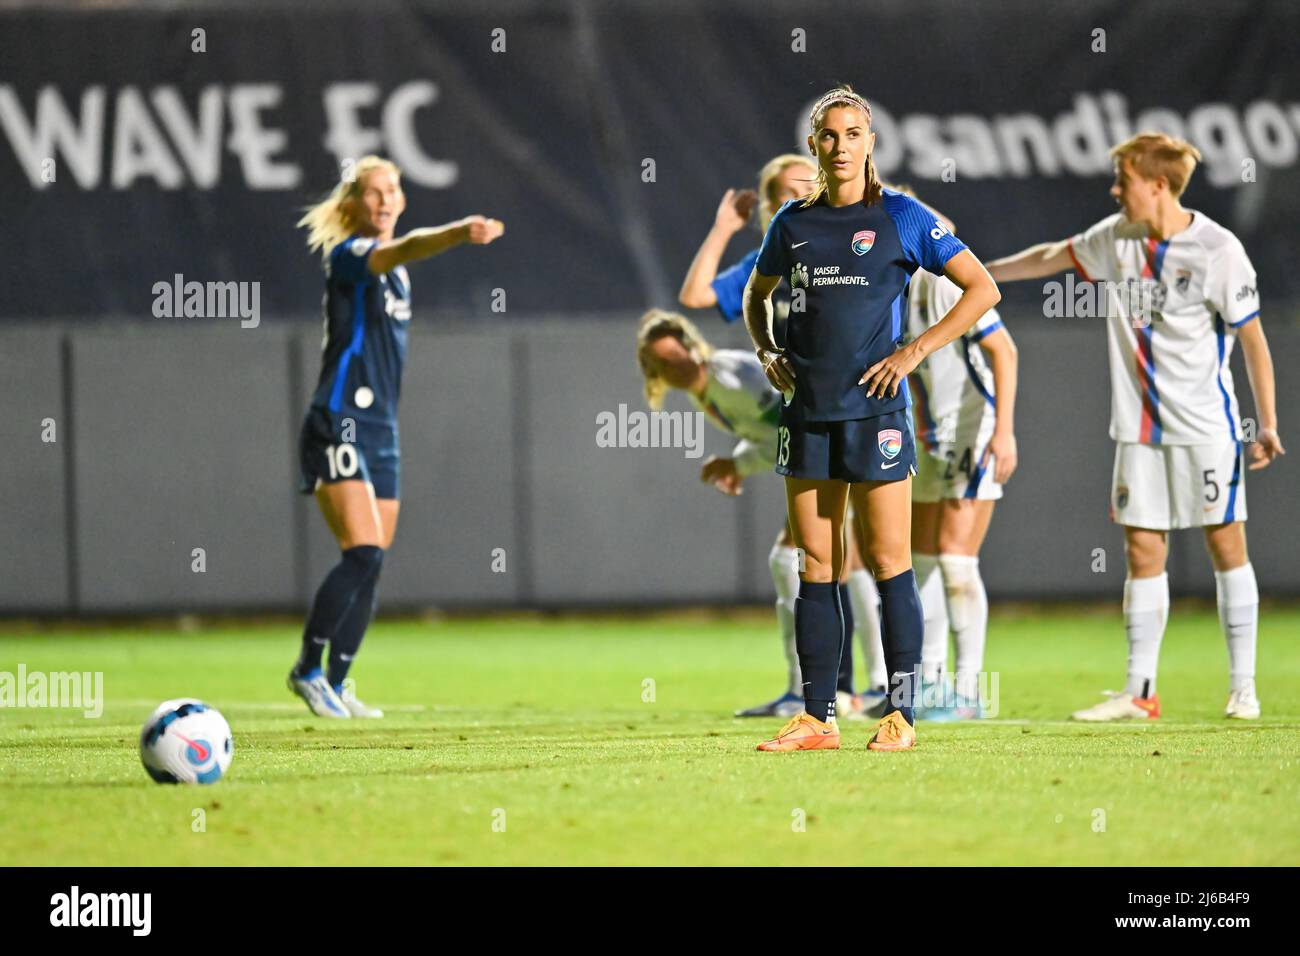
(853, 264)
(364, 350)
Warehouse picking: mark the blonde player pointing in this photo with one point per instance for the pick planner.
(1188, 293)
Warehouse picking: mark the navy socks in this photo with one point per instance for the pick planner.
(819, 634)
(902, 629)
(343, 586)
(347, 639)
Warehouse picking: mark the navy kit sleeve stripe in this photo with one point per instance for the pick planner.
(925, 239)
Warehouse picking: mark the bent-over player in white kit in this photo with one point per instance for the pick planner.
(731, 389)
(1181, 292)
(964, 413)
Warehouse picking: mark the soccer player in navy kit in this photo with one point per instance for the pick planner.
(348, 448)
(782, 178)
(849, 250)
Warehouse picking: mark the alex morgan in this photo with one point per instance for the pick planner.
(849, 250)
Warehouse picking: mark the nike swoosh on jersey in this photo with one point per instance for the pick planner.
(883, 467)
(798, 244)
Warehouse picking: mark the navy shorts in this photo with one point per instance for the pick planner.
(373, 455)
(861, 449)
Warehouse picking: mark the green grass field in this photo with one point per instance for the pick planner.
(544, 719)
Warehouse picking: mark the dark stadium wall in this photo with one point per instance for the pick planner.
(169, 438)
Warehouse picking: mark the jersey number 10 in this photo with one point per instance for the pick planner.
(343, 461)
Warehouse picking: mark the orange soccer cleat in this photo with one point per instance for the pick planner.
(805, 732)
(1120, 707)
(893, 733)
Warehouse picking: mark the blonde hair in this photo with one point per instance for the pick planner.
(327, 222)
(769, 177)
(655, 324)
(1159, 154)
(842, 96)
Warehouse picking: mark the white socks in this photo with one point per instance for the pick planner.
(934, 646)
(1238, 596)
(784, 565)
(866, 621)
(968, 616)
(1146, 609)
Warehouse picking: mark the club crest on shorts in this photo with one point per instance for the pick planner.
(1121, 496)
(890, 442)
(863, 241)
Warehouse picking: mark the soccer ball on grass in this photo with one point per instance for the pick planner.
(186, 741)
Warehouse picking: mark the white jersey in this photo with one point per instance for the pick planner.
(952, 389)
(1171, 327)
(740, 400)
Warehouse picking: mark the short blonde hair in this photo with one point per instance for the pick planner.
(1159, 154)
(327, 222)
(655, 324)
(769, 177)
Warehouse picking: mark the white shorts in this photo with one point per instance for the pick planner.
(1167, 487)
(952, 468)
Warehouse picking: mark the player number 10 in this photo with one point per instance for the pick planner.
(343, 461)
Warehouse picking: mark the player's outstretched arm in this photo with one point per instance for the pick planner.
(423, 243)
(758, 320)
(1259, 368)
(979, 294)
(733, 212)
(1004, 360)
(1044, 259)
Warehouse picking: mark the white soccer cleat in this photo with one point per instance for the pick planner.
(846, 705)
(313, 688)
(869, 705)
(1243, 704)
(358, 708)
(1120, 707)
